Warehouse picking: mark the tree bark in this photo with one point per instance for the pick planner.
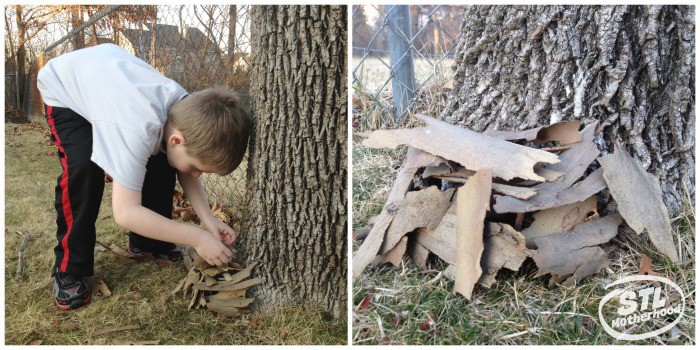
(21, 54)
(630, 67)
(296, 227)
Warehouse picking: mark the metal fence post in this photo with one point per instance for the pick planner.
(399, 39)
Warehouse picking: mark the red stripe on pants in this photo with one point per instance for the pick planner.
(65, 197)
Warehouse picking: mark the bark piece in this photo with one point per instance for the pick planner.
(98, 286)
(471, 205)
(395, 255)
(639, 199)
(562, 132)
(504, 247)
(371, 245)
(546, 199)
(441, 240)
(237, 303)
(226, 286)
(227, 295)
(562, 218)
(523, 193)
(438, 170)
(575, 254)
(472, 150)
(419, 254)
(424, 208)
(359, 234)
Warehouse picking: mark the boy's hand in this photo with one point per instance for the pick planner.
(212, 250)
(224, 232)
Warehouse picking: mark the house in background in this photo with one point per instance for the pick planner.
(171, 49)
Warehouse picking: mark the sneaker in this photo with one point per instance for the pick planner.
(70, 291)
(165, 258)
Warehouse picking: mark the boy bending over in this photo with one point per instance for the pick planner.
(110, 111)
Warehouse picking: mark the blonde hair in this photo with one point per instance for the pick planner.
(215, 126)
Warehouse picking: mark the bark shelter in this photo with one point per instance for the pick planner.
(296, 225)
(630, 67)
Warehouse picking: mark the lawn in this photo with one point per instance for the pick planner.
(410, 306)
(141, 292)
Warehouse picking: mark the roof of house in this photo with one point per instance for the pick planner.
(170, 36)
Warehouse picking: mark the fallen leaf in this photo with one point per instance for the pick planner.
(470, 149)
(449, 85)
(646, 268)
(427, 325)
(36, 342)
(364, 304)
(639, 199)
(254, 322)
(385, 341)
(472, 202)
(396, 320)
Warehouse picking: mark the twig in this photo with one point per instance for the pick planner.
(20, 250)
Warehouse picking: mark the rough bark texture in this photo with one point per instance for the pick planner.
(630, 67)
(296, 225)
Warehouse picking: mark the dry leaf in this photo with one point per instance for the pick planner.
(427, 325)
(364, 304)
(646, 268)
(449, 85)
(254, 322)
(471, 205)
(639, 199)
(470, 149)
(385, 341)
(396, 320)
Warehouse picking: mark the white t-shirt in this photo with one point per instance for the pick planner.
(125, 99)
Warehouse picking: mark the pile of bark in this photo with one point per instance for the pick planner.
(464, 196)
(220, 289)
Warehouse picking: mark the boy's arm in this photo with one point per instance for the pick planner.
(130, 214)
(195, 194)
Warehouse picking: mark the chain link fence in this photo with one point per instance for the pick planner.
(198, 46)
(402, 57)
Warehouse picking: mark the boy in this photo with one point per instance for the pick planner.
(110, 111)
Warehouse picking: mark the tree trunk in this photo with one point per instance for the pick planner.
(630, 67)
(76, 17)
(21, 54)
(297, 172)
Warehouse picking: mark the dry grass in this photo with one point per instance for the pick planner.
(377, 97)
(518, 309)
(140, 291)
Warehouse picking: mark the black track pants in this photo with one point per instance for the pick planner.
(79, 193)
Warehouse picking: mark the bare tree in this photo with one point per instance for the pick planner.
(630, 67)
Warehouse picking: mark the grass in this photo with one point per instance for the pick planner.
(375, 90)
(140, 291)
(519, 309)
